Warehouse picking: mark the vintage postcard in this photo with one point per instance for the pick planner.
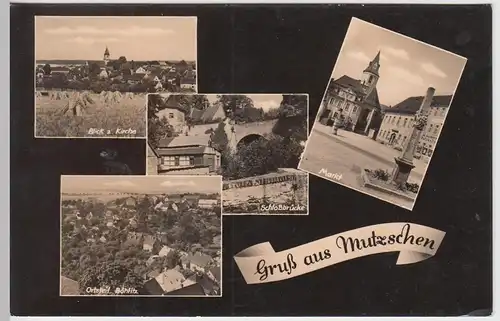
(141, 236)
(92, 73)
(253, 140)
(382, 113)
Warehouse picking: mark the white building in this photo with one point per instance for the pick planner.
(397, 124)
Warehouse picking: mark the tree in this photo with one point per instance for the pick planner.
(232, 103)
(198, 101)
(173, 259)
(122, 60)
(47, 69)
(292, 117)
(125, 68)
(218, 139)
(116, 65)
(94, 68)
(158, 129)
(115, 274)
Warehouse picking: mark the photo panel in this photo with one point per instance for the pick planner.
(382, 113)
(141, 236)
(254, 141)
(92, 73)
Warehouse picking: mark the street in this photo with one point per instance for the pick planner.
(341, 162)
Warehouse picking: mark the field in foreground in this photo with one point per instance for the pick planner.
(114, 118)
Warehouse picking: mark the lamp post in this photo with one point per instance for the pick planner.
(404, 163)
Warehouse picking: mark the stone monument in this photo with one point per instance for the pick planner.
(404, 163)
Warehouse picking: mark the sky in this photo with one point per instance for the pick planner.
(141, 184)
(407, 67)
(266, 101)
(136, 38)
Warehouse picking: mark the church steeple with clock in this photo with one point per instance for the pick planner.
(370, 74)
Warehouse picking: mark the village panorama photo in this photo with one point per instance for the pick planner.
(382, 113)
(141, 236)
(92, 73)
(253, 140)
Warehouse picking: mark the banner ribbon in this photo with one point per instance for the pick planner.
(261, 264)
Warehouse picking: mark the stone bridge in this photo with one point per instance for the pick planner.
(243, 133)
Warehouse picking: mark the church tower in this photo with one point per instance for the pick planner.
(106, 56)
(370, 74)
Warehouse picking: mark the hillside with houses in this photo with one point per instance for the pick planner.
(116, 75)
(141, 244)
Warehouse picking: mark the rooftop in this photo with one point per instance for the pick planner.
(412, 104)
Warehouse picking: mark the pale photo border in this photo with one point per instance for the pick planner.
(253, 94)
(143, 295)
(324, 95)
(195, 18)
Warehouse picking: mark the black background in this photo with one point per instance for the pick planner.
(273, 49)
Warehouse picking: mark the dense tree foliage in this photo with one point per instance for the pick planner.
(97, 254)
(262, 156)
(158, 128)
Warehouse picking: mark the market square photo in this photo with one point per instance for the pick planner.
(92, 74)
(141, 236)
(382, 113)
(253, 140)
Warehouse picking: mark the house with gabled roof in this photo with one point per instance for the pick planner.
(133, 79)
(215, 273)
(398, 121)
(165, 250)
(188, 83)
(151, 244)
(190, 289)
(141, 70)
(174, 112)
(196, 262)
(165, 282)
(213, 113)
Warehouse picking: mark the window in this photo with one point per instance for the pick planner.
(370, 79)
(170, 115)
(168, 160)
(405, 122)
(430, 128)
(354, 109)
(435, 111)
(436, 129)
(183, 160)
(393, 119)
(404, 139)
(172, 161)
(399, 120)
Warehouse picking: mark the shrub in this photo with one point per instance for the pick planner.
(412, 187)
(218, 138)
(380, 174)
(260, 157)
